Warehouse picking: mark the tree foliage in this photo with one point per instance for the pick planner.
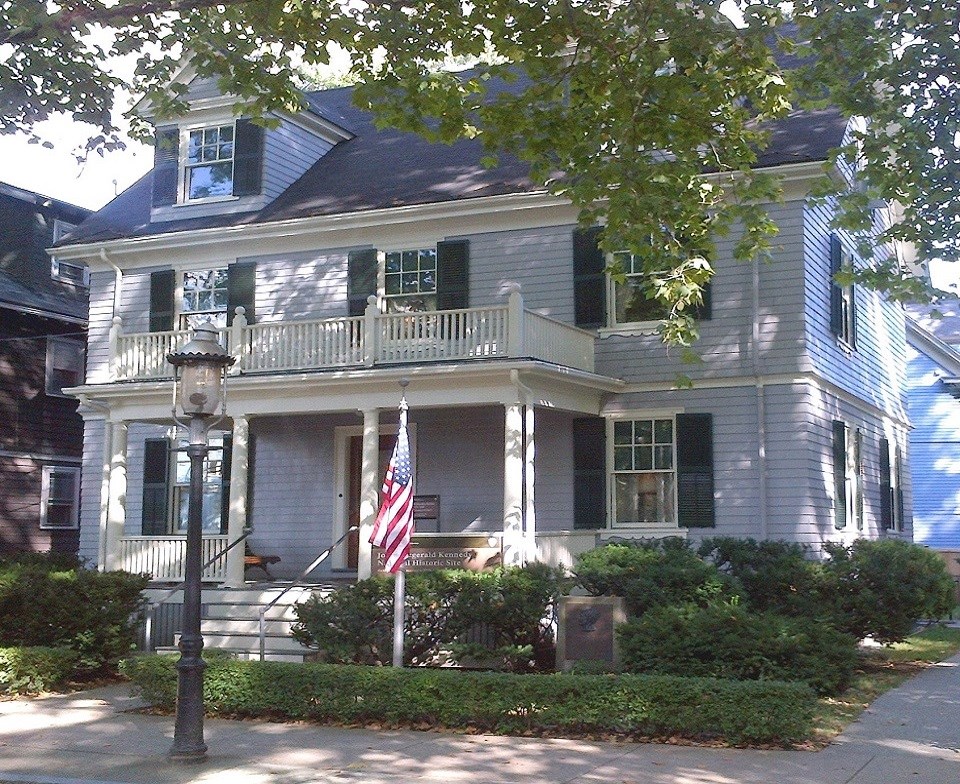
(619, 106)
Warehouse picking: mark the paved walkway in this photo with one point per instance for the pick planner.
(911, 734)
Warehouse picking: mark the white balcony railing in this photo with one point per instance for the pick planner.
(162, 557)
(367, 341)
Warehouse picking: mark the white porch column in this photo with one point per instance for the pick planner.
(237, 518)
(513, 543)
(529, 452)
(104, 494)
(117, 498)
(369, 496)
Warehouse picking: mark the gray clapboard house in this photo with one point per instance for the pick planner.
(545, 416)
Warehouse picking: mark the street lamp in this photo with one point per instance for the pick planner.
(198, 391)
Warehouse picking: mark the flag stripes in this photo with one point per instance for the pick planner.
(393, 528)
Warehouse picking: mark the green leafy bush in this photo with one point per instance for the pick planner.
(354, 625)
(882, 587)
(93, 613)
(775, 576)
(35, 669)
(653, 573)
(729, 641)
(558, 704)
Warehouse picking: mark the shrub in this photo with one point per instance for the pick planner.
(354, 625)
(881, 588)
(35, 669)
(653, 573)
(728, 641)
(775, 576)
(93, 613)
(504, 703)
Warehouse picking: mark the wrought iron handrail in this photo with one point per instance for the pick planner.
(148, 618)
(298, 581)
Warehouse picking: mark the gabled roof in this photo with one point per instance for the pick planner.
(385, 168)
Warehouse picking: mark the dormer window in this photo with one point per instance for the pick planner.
(208, 171)
(213, 162)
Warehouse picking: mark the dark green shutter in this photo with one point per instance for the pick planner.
(166, 159)
(226, 467)
(898, 476)
(589, 472)
(589, 279)
(241, 289)
(886, 487)
(836, 291)
(858, 475)
(840, 473)
(852, 339)
(247, 159)
(361, 279)
(695, 504)
(162, 284)
(453, 275)
(156, 492)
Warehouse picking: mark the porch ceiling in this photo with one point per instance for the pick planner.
(438, 385)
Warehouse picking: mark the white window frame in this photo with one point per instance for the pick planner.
(647, 325)
(386, 298)
(57, 267)
(183, 316)
(184, 165)
(633, 417)
(179, 493)
(45, 500)
(847, 303)
(74, 344)
(853, 478)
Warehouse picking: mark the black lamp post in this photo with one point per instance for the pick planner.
(199, 380)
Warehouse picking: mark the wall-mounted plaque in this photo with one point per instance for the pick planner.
(426, 507)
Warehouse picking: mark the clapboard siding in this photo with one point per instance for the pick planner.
(289, 151)
(725, 344)
(301, 286)
(91, 483)
(876, 369)
(98, 334)
(934, 452)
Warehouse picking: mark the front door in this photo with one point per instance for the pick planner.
(355, 461)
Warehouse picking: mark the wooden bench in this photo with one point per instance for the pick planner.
(253, 561)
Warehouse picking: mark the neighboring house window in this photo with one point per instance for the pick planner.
(629, 298)
(410, 280)
(65, 271)
(60, 497)
(213, 486)
(644, 471)
(205, 298)
(848, 475)
(65, 358)
(208, 170)
(843, 304)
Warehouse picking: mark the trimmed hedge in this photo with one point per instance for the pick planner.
(35, 669)
(93, 613)
(558, 704)
(732, 642)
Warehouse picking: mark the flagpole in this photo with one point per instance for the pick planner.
(399, 597)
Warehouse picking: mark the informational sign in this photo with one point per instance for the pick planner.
(453, 551)
(586, 630)
(426, 507)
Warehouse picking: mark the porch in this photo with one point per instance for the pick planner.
(372, 340)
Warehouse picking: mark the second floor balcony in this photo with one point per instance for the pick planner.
(371, 340)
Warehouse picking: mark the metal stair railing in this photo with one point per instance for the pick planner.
(151, 610)
(299, 581)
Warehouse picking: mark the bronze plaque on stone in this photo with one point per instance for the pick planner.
(477, 553)
(586, 631)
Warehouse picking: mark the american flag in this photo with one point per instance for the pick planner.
(394, 525)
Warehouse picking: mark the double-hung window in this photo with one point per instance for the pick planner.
(631, 304)
(65, 360)
(213, 483)
(843, 304)
(65, 271)
(848, 475)
(60, 497)
(410, 280)
(204, 298)
(644, 471)
(208, 170)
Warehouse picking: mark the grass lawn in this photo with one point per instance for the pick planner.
(882, 669)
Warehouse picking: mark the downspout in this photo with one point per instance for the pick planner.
(761, 402)
(118, 280)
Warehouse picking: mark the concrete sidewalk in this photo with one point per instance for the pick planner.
(911, 734)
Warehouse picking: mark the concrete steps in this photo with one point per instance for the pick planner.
(231, 621)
